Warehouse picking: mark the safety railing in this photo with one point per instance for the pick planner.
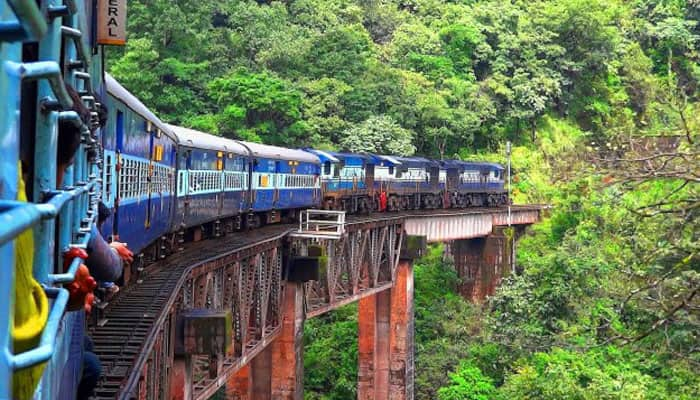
(29, 25)
(75, 206)
(321, 224)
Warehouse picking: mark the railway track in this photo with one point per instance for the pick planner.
(130, 319)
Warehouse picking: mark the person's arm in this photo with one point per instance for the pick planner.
(103, 261)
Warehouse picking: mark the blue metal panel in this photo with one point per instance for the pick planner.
(132, 217)
(296, 198)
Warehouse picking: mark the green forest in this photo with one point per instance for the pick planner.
(600, 100)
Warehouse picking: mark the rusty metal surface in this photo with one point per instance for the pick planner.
(363, 259)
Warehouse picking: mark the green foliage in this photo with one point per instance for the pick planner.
(330, 355)
(468, 383)
(379, 135)
(260, 103)
(608, 373)
(459, 75)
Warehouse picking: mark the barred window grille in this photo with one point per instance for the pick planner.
(133, 179)
(204, 181)
(234, 180)
(300, 181)
(161, 181)
(108, 177)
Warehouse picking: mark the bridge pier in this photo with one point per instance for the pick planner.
(288, 348)
(401, 336)
(240, 385)
(181, 381)
(261, 368)
(385, 340)
(374, 320)
(482, 262)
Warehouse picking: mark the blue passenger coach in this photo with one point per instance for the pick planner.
(212, 180)
(282, 181)
(139, 170)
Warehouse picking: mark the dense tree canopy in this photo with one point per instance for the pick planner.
(455, 74)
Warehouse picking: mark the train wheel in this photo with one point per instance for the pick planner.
(394, 203)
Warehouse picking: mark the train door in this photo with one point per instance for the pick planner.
(220, 168)
(277, 183)
(434, 181)
(369, 177)
(120, 183)
(149, 182)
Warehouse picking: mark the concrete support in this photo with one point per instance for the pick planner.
(181, 378)
(401, 334)
(240, 385)
(482, 263)
(288, 349)
(261, 368)
(374, 316)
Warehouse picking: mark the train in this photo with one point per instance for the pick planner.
(168, 184)
(164, 184)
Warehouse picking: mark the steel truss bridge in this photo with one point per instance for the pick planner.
(228, 314)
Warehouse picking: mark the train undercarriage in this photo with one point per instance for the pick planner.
(394, 202)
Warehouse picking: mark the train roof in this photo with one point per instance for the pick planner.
(279, 153)
(478, 165)
(334, 156)
(197, 139)
(408, 162)
(323, 155)
(119, 92)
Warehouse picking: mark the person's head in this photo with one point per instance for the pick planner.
(69, 136)
(103, 213)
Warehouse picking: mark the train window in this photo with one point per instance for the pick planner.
(327, 168)
(391, 170)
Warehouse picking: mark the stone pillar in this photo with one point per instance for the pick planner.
(374, 315)
(240, 385)
(288, 347)
(261, 368)
(366, 337)
(401, 334)
(482, 263)
(181, 378)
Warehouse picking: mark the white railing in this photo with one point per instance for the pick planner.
(321, 224)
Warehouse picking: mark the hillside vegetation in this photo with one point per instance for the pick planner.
(599, 97)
